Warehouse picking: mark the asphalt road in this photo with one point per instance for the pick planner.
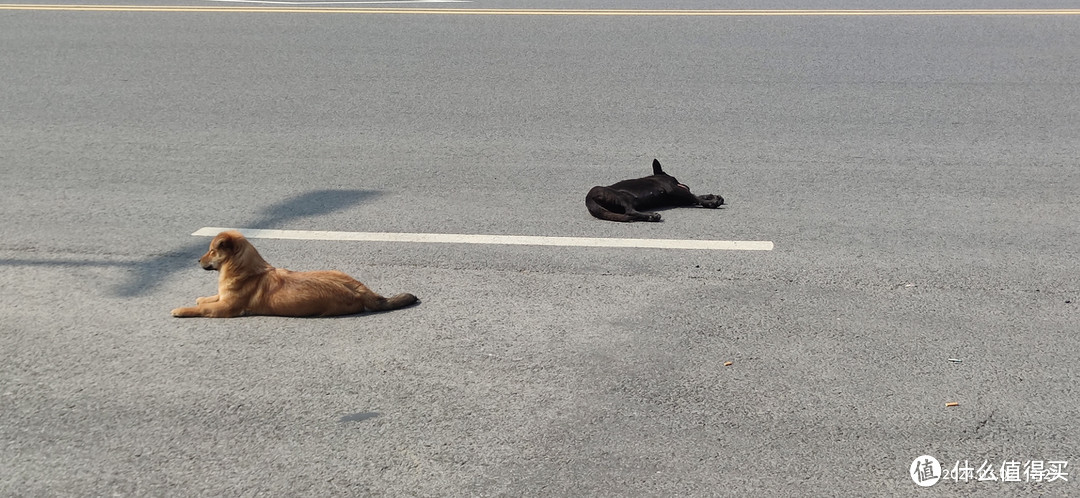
(917, 175)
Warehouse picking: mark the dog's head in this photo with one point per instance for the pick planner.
(658, 171)
(224, 246)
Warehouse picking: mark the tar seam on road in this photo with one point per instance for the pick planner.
(526, 240)
(544, 12)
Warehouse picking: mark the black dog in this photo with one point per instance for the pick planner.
(621, 202)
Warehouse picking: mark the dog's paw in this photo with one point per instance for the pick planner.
(711, 201)
(186, 312)
(652, 216)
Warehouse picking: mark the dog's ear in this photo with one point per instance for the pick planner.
(224, 244)
(656, 168)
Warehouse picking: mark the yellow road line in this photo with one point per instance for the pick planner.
(541, 12)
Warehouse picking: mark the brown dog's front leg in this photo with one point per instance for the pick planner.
(210, 310)
(186, 312)
(208, 299)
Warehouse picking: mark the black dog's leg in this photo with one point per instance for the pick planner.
(642, 216)
(683, 196)
(710, 201)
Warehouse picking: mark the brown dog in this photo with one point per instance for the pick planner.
(248, 285)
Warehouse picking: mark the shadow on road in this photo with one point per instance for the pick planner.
(147, 273)
(359, 417)
(311, 204)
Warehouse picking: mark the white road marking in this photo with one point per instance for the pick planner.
(329, 7)
(341, 7)
(527, 240)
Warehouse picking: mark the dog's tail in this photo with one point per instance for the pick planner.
(393, 302)
(592, 201)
